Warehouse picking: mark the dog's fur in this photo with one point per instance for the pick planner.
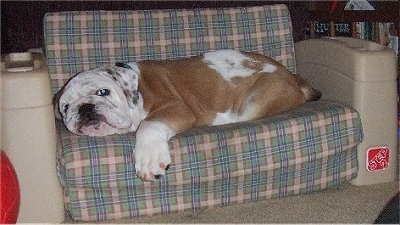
(159, 99)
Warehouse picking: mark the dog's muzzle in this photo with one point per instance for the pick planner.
(88, 116)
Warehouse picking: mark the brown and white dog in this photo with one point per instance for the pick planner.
(159, 99)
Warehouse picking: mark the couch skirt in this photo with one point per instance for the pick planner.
(307, 149)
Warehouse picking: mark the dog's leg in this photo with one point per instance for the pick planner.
(309, 92)
(152, 156)
(273, 94)
(151, 150)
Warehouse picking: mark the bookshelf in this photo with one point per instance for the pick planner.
(385, 11)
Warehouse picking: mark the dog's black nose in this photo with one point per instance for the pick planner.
(86, 109)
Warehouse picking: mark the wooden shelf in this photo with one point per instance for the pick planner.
(355, 16)
(385, 11)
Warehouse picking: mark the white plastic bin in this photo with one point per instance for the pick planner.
(363, 74)
(28, 136)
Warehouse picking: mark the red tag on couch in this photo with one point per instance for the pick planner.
(377, 158)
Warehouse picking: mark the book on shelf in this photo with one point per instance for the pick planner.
(382, 33)
(323, 28)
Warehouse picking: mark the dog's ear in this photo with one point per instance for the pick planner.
(56, 99)
(127, 76)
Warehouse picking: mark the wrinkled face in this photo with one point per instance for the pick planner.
(100, 102)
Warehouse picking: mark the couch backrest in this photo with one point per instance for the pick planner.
(81, 40)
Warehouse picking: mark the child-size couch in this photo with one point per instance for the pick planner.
(316, 146)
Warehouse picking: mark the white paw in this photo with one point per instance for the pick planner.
(151, 151)
(152, 160)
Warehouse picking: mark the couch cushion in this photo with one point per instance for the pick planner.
(306, 149)
(81, 40)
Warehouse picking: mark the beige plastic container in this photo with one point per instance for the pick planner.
(362, 74)
(28, 136)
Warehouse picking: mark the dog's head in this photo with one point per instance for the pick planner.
(101, 101)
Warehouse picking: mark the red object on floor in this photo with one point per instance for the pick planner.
(10, 195)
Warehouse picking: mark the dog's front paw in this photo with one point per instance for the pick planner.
(152, 162)
(151, 151)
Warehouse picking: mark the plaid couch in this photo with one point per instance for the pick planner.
(304, 150)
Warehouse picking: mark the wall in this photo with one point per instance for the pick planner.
(21, 21)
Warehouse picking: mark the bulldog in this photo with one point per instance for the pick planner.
(159, 99)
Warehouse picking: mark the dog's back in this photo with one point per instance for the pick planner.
(226, 83)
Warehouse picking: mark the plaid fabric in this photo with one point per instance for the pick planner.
(308, 149)
(304, 150)
(76, 41)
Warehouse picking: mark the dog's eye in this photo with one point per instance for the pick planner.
(103, 92)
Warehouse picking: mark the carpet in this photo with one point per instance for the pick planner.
(343, 204)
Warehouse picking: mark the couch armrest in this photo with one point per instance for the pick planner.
(29, 139)
(362, 74)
